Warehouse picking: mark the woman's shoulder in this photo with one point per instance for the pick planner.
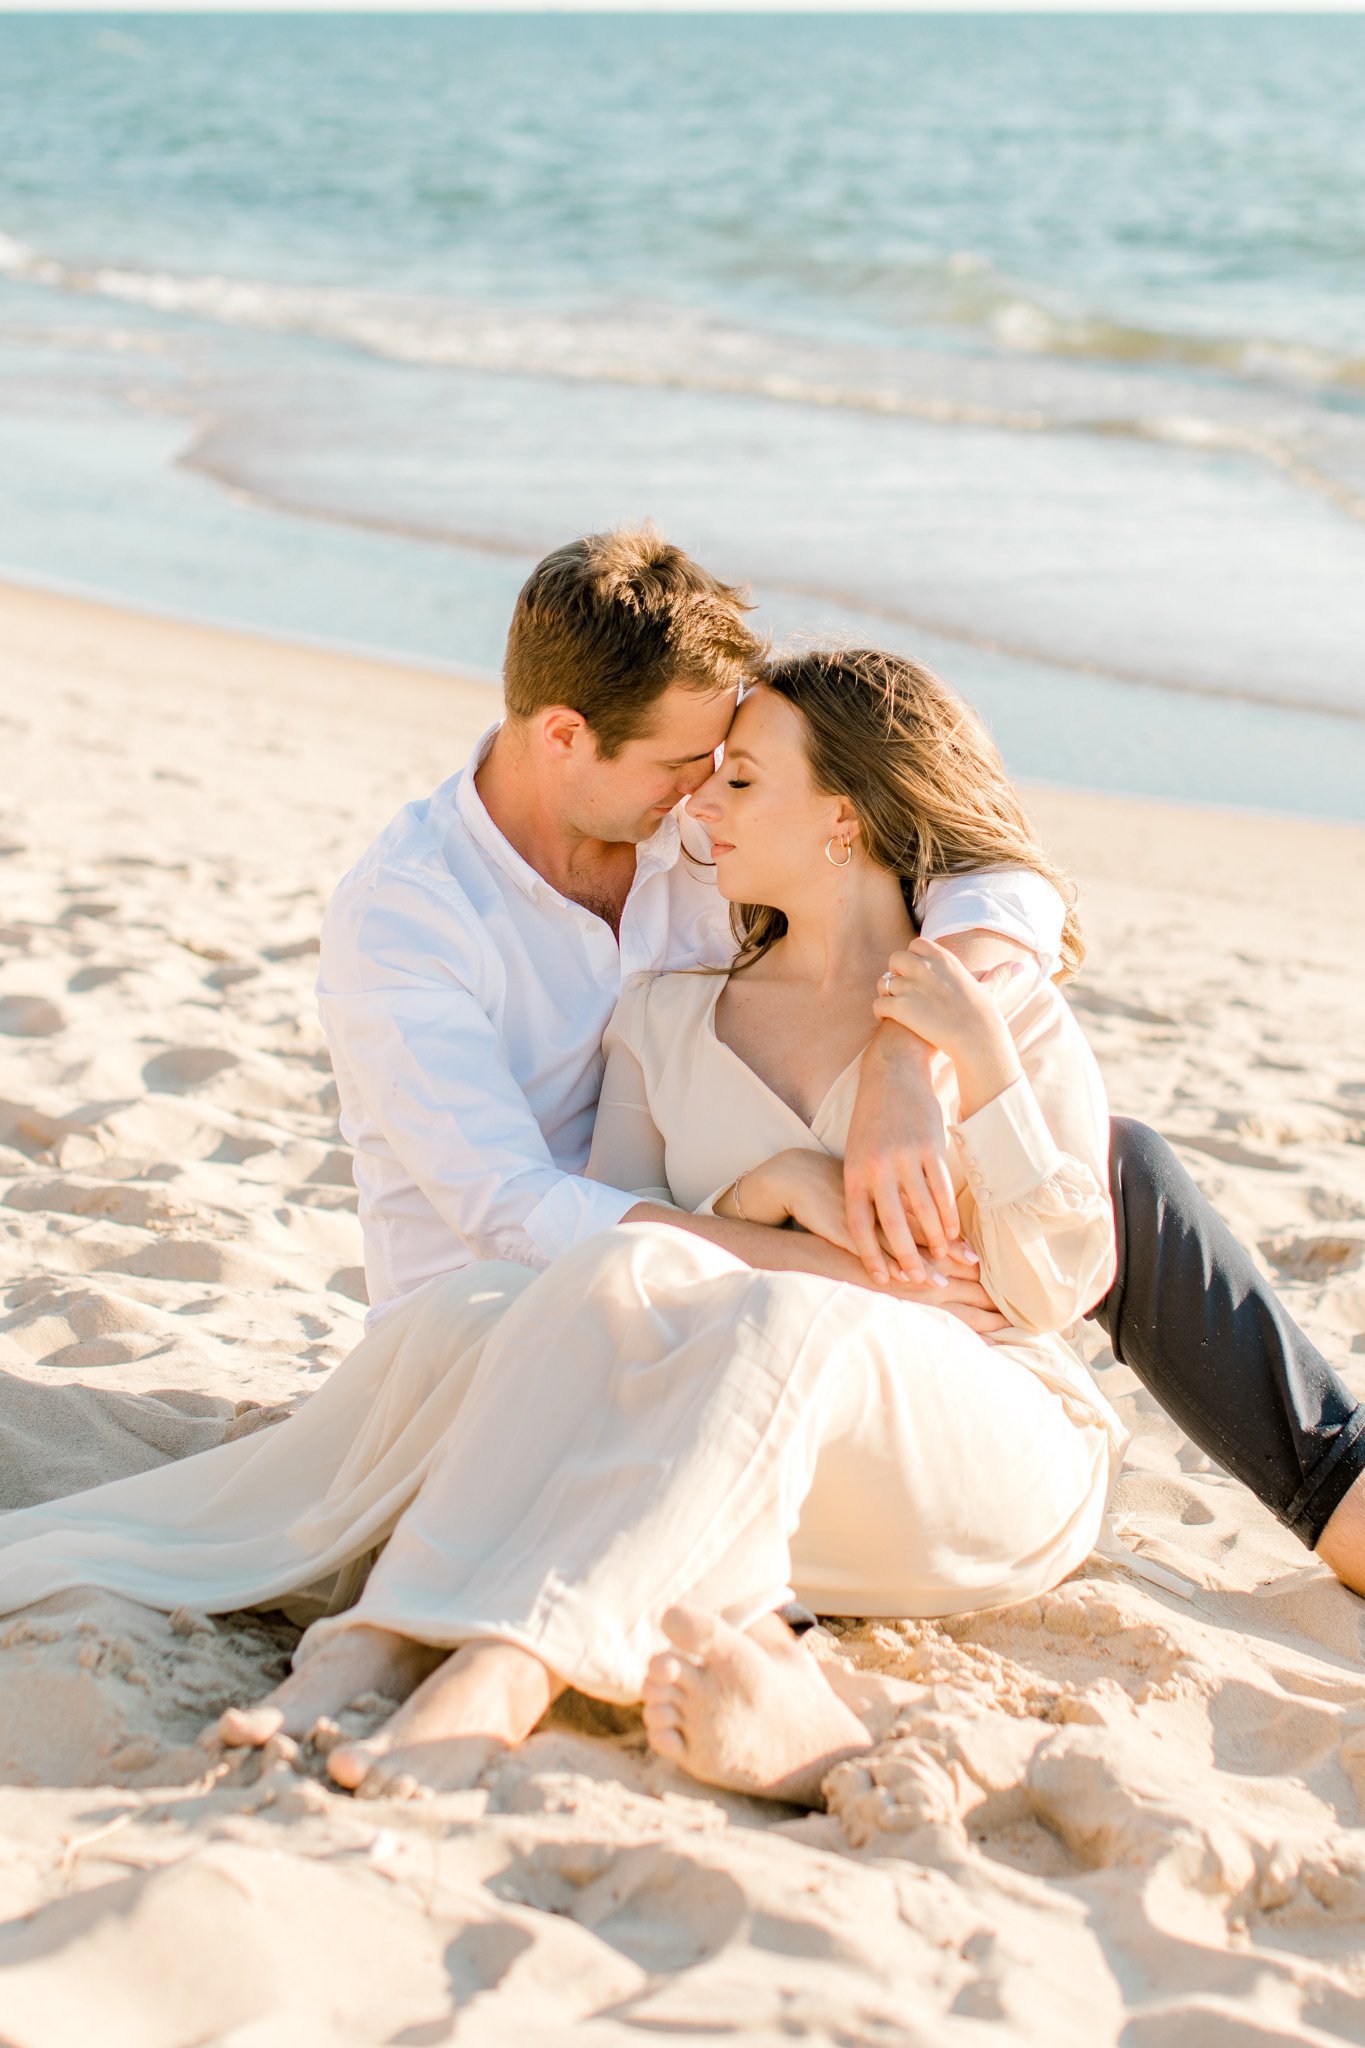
(653, 1002)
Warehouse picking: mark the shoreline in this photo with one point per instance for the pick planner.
(15, 587)
(29, 592)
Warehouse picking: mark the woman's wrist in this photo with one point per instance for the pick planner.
(756, 1197)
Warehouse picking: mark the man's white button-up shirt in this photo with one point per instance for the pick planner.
(464, 1001)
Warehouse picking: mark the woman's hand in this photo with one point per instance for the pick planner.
(932, 994)
(806, 1187)
(799, 1186)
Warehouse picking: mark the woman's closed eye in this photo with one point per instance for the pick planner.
(735, 784)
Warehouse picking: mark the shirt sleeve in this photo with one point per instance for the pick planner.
(1036, 1205)
(399, 988)
(1015, 901)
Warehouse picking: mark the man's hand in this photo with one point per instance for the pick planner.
(949, 1284)
(897, 1178)
(898, 1186)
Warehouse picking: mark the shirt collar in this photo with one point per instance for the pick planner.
(652, 856)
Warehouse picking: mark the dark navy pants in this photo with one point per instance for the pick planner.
(1201, 1327)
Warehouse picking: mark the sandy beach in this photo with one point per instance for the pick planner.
(1120, 1812)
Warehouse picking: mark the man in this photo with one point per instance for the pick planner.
(471, 959)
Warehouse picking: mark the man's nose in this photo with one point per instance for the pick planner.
(701, 803)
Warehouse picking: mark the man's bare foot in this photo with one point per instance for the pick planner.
(752, 1713)
(1342, 1543)
(354, 1662)
(486, 1698)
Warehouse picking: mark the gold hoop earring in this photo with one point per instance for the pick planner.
(847, 845)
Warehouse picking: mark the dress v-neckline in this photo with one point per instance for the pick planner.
(811, 1128)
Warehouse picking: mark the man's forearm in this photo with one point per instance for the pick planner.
(767, 1249)
(760, 1245)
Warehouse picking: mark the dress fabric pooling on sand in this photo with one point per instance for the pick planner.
(557, 1457)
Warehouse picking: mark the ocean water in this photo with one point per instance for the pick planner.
(1033, 345)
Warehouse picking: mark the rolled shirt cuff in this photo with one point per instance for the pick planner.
(1013, 901)
(574, 1210)
(1006, 1148)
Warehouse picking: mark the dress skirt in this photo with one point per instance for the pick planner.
(290, 1517)
(652, 1421)
(555, 1459)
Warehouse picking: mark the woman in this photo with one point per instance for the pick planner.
(651, 1421)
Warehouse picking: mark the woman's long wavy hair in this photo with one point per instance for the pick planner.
(920, 770)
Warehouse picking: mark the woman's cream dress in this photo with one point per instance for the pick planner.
(555, 1458)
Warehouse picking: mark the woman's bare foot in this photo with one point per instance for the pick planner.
(752, 1713)
(357, 1661)
(487, 1697)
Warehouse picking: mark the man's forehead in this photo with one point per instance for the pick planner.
(690, 725)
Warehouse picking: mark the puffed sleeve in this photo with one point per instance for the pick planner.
(1036, 1204)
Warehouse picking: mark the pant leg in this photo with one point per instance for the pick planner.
(1204, 1331)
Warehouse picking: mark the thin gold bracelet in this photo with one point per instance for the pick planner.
(739, 1206)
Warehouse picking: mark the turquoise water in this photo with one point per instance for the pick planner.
(1033, 343)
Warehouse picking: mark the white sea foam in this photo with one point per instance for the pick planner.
(677, 347)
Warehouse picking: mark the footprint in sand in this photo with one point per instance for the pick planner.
(350, 1281)
(91, 1352)
(185, 1066)
(80, 1326)
(142, 1208)
(1314, 1258)
(1092, 1003)
(59, 1141)
(1297, 1127)
(87, 907)
(298, 950)
(194, 1261)
(29, 1017)
(337, 1170)
(87, 978)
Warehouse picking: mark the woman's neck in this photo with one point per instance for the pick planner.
(845, 936)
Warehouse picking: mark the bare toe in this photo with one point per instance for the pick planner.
(752, 1715)
(246, 1727)
(661, 1672)
(663, 1726)
(350, 1763)
(693, 1631)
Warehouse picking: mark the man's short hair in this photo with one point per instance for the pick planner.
(606, 623)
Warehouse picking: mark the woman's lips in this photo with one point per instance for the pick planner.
(720, 847)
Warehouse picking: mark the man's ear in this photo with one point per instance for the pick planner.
(562, 729)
